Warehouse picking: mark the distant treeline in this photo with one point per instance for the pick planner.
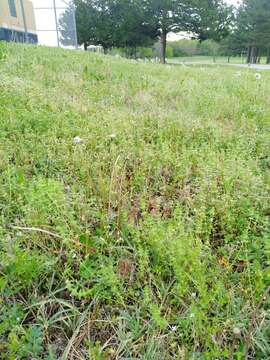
(135, 26)
(180, 48)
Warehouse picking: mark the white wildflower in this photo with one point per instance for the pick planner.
(258, 76)
(236, 331)
(174, 328)
(77, 140)
(193, 295)
(192, 315)
(112, 136)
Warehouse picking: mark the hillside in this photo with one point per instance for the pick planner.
(134, 209)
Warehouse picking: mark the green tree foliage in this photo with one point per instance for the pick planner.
(253, 28)
(169, 16)
(109, 23)
(232, 45)
(67, 27)
(209, 47)
(132, 27)
(185, 47)
(211, 19)
(138, 23)
(94, 22)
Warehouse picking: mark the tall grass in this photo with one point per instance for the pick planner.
(147, 238)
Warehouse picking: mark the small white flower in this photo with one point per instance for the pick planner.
(236, 331)
(193, 295)
(174, 328)
(74, 256)
(18, 319)
(192, 315)
(77, 140)
(258, 76)
(112, 136)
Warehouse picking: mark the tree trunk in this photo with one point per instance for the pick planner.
(229, 59)
(163, 41)
(268, 56)
(257, 56)
(85, 46)
(254, 54)
(249, 55)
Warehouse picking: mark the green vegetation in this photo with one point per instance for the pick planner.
(204, 60)
(134, 209)
(215, 27)
(252, 30)
(139, 23)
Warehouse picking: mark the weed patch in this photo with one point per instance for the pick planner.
(134, 205)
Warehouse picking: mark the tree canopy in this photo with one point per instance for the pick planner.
(135, 23)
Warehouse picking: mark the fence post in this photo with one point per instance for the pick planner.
(24, 21)
(56, 23)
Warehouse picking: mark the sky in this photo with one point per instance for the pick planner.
(233, 2)
(45, 19)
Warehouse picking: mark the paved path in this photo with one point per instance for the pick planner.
(252, 66)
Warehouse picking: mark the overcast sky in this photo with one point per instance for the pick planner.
(233, 2)
(45, 19)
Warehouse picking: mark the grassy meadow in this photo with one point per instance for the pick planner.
(134, 206)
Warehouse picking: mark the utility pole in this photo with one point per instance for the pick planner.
(75, 25)
(70, 5)
(56, 23)
(24, 22)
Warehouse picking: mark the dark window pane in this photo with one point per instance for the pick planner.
(12, 8)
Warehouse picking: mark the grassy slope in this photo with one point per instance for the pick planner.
(160, 244)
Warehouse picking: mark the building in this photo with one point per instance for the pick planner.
(17, 21)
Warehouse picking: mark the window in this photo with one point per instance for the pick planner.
(12, 8)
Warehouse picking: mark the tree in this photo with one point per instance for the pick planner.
(132, 26)
(67, 27)
(210, 47)
(253, 28)
(211, 19)
(133, 23)
(185, 47)
(95, 25)
(206, 19)
(231, 46)
(168, 16)
(119, 23)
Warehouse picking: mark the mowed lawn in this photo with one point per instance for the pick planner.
(219, 60)
(134, 205)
